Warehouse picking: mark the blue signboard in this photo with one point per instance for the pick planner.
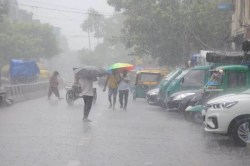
(225, 6)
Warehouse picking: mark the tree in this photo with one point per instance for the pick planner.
(26, 41)
(111, 49)
(3, 9)
(93, 24)
(172, 29)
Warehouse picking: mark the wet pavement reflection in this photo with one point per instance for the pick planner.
(41, 132)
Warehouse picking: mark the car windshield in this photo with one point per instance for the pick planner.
(193, 78)
(169, 77)
(150, 77)
(182, 74)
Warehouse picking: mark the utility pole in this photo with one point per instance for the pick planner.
(89, 42)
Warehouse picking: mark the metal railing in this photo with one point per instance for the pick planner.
(23, 92)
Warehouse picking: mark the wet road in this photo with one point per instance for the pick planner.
(51, 133)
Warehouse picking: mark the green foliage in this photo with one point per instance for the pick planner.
(172, 29)
(111, 49)
(26, 41)
(94, 23)
(3, 9)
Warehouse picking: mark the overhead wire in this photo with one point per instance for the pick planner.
(49, 4)
(56, 18)
(59, 10)
(65, 7)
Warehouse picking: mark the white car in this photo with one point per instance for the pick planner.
(229, 115)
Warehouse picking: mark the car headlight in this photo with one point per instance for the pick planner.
(221, 105)
(154, 92)
(181, 96)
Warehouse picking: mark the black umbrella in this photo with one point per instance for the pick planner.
(90, 72)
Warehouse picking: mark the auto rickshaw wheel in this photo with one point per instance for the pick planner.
(70, 97)
(188, 115)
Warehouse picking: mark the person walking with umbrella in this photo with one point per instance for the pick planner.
(112, 82)
(87, 92)
(124, 90)
(85, 76)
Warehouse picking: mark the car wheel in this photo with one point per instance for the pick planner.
(197, 117)
(188, 115)
(163, 105)
(182, 108)
(241, 131)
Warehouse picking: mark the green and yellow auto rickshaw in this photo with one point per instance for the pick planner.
(147, 80)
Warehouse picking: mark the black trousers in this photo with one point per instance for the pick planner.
(123, 95)
(87, 105)
(53, 90)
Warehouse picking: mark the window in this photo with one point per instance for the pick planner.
(194, 78)
(215, 79)
(236, 79)
(150, 77)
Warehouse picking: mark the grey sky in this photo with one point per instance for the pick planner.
(69, 22)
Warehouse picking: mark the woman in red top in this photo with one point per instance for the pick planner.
(53, 85)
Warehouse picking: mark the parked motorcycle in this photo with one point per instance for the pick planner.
(5, 98)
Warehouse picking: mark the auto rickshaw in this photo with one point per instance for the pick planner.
(44, 74)
(147, 80)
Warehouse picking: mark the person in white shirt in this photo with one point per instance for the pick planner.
(87, 93)
(123, 88)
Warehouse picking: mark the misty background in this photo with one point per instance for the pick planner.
(68, 16)
(64, 34)
(64, 14)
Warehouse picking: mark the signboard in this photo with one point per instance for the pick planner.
(225, 6)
